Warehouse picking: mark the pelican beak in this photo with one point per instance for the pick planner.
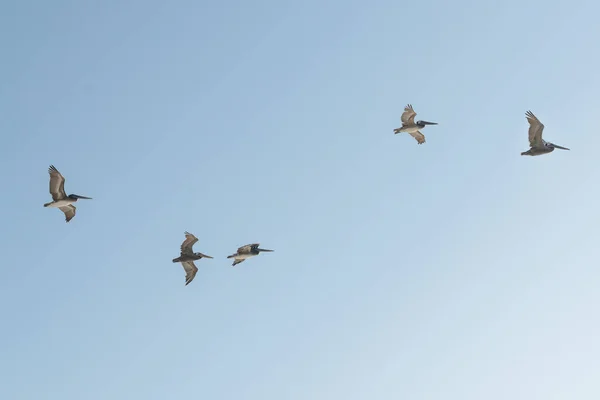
(81, 197)
(560, 147)
(429, 123)
(205, 256)
(264, 250)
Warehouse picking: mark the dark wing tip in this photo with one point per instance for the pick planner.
(189, 279)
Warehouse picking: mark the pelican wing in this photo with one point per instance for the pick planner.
(69, 211)
(535, 130)
(57, 184)
(190, 271)
(188, 243)
(408, 116)
(237, 261)
(419, 136)
(247, 249)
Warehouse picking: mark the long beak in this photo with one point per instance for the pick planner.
(81, 197)
(429, 123)
(264, 250)
(205, 256)
(560, 147)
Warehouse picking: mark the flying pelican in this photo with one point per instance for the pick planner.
(409, 126)
(188, 257)
(245, 252)
(538, 145)
(60, 199)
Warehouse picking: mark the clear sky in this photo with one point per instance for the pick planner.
(455, 270)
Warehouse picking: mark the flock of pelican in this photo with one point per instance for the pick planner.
(187, 256)
(62, 201)
(538, 146)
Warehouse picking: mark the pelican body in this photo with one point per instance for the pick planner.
(187, 257)
(60, 199)
(538, 146)
(245, 252)
(410, 126)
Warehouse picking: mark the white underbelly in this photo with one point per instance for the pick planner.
(409, 129)
(61, 203)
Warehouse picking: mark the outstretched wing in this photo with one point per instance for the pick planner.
(69, 211)
(190, 271)
(188, 243)
(247, 248)
(419, 136)
(535, 130)
(57, 184)
(237, 261)
(408, 116)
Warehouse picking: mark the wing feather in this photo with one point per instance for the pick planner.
(247, 248)
(69, 211)
(408, 116)
(190, 271)
(535, 130)
(188, 243)
(418, 136)
(57, 184)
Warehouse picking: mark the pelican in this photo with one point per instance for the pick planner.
(409, 126)
(188, 257)
(245, 252)
(538, 145)
(60, 199)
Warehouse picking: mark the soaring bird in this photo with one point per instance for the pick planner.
(188, 257)
(538, 145)
(245, 252)
(409, 126)
(60, 199)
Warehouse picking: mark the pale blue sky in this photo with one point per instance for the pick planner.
(456, 270)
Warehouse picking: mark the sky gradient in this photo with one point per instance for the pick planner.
(455, 270)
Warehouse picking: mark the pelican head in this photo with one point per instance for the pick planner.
(423, 123)
(77, 197)
(558, 147)
(259, 250)
(202, 255)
